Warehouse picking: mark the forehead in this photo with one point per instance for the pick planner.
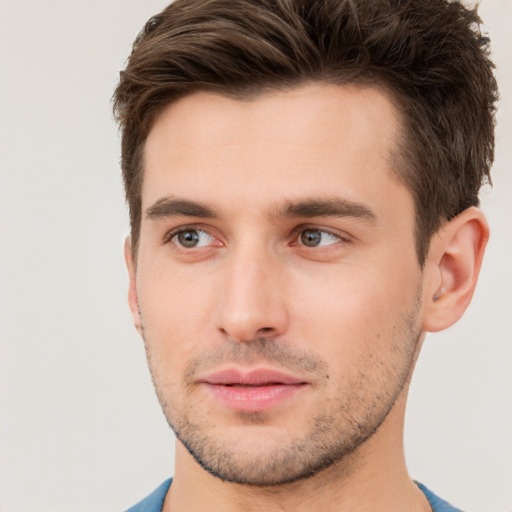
(315, 139)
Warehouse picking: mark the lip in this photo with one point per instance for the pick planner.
(253, 391)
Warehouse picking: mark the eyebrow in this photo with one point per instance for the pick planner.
(331, 207)
(170, 207)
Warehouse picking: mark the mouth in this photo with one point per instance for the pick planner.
(254, 391)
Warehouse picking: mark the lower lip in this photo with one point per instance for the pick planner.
(253, 399)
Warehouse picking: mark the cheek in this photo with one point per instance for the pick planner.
(175, 312)
(352, 311)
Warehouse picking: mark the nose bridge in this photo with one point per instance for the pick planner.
(252, 302)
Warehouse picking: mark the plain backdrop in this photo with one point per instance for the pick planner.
(80, 427)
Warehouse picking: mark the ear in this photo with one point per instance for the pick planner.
(133, 299)
(452, 268)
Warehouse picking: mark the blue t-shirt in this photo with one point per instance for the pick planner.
(155, 501)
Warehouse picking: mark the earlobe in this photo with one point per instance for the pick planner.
(133, 299)
(452, 268)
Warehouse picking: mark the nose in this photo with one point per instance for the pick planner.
(252, 297)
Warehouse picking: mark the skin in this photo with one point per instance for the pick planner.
(250, 182)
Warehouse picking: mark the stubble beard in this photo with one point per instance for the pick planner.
(347, 421)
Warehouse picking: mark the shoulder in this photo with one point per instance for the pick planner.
(155, 501)
(437, 504)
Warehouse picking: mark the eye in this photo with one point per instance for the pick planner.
(191, 238)
(317, 238)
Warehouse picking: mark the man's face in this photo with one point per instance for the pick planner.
(277, 281)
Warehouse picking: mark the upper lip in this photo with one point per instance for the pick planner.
(257, 377)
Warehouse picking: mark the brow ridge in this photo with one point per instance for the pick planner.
(173, 207)
(314, 207)
(331, 207)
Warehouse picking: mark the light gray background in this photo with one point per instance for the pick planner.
(80, 428)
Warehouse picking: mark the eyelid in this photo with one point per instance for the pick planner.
(341, 235)
(169, 235)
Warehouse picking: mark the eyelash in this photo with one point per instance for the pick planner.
(183, 229)
(168, 238)
(342, 238)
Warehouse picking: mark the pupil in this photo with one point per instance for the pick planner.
(188, 238)
(310, 237)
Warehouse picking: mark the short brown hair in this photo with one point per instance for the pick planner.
(429, 55)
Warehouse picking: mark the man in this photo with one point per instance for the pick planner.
(303, 182)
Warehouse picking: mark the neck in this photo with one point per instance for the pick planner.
(374, 477)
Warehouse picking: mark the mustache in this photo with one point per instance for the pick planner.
(258, 351)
